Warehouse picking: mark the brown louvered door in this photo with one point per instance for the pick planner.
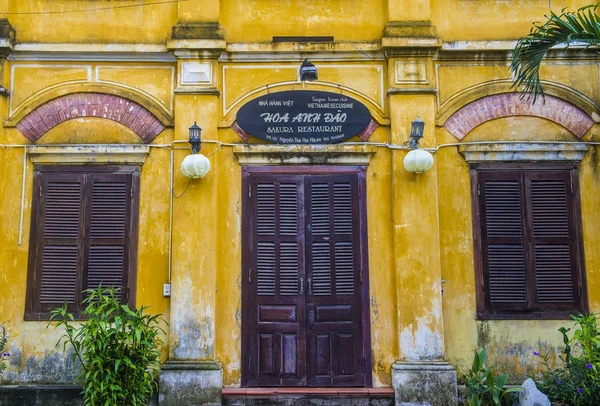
(333, 280)
(302, 303)
(275, 308)
(530, 244)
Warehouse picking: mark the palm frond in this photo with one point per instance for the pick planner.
(581, 27)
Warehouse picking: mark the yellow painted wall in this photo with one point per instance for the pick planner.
(34, 356)
(420, 226)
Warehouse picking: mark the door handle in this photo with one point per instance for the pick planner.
(301, 286)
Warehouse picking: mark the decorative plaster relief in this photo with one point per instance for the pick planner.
(512, 104)
(411, 73)
(196, 73)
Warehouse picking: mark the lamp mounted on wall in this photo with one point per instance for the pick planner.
(417, 160)
(308, 71)
(195, 165)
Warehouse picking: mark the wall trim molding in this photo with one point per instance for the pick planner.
(523, 152)
(266, 154)
(88, 154)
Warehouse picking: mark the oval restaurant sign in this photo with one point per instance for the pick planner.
(303, 117)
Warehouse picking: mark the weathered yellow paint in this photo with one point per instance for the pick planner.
(261, 20)
(492, 20)
(156, 81)
(419, 226)
(33, 79)
(82, 22)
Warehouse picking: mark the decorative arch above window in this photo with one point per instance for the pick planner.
(487, 108)
(75, 105)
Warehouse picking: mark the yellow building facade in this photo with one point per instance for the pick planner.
(436, 269)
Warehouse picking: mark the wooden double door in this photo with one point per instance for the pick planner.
(305, 289)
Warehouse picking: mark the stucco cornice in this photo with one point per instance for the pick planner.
(88, 154)
(339, 154)
(523, 152)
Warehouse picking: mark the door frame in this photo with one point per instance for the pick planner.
(361, 172)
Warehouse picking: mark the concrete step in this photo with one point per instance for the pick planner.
(308, 396)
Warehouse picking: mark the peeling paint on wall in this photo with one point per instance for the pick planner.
(422, 343)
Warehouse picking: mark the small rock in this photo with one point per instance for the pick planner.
(531, 395)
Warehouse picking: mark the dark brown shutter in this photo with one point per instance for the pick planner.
(276, 334)
(81, 235)
(334, 316)
(529, 241)
(503, 250)
(60, 239)
(554, 240)
(109, 231)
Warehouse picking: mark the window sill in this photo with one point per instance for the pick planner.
(547, 315)
(45, 316)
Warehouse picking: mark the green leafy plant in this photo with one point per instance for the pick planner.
(486, 389)
(581, 27)
(577, 380)
(116, 346)
(3, 353)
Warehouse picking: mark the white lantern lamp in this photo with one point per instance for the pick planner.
(417, 160)
(196, 165)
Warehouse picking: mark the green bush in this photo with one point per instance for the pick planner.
(577, 380)
(485, 389)
(3, 354)
(116, 346)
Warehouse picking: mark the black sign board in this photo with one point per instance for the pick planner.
(303, 117)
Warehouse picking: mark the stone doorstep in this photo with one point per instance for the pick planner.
(308, 391)
(308, 396)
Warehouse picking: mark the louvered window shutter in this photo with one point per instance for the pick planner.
(110, 201)
(554, 241)
(529, 241)
(81, 236)
(60, 240)
(503, 242)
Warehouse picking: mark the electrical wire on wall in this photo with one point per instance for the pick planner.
(171, 148)
(145, 4)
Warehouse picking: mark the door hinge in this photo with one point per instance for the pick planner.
(40, 191)
(572, 191)
(250, 192)
(478, 189)
(361, 276)
(131, 192)
(250, 275)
